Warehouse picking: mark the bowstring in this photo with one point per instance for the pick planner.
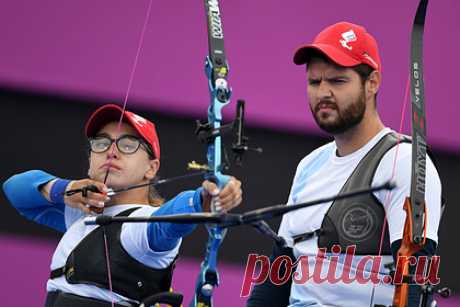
(131, 78)
(125, 101)
(388, 198)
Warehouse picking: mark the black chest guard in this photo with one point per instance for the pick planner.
(87, 264)
(358, 220)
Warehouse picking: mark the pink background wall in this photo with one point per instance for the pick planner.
(86, 48)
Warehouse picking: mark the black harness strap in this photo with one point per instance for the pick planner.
(306, 236)
(86, 264)
(357, 220)
(68, 271)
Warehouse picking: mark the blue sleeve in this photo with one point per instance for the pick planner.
(23, 192)
(165, 236)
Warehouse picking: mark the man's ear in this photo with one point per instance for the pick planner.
(154, 166)
(373, 83)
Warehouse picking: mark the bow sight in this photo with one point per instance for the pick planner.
(206, 134)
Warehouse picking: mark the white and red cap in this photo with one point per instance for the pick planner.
(112, 113)
(346, 44)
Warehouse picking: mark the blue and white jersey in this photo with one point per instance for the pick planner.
(322, 173)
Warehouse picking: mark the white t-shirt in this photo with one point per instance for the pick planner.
(322, 173)
(133, 239)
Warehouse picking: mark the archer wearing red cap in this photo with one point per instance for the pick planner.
(343, 79)
(117, 264)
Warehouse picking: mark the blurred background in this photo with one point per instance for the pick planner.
(60, 60)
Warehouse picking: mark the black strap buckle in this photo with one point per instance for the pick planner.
(306, 236)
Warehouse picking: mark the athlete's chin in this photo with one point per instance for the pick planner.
(331, 127)
(327, 122)
(116, 183)
(110, 178)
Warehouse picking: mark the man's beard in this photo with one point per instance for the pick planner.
(347, 117)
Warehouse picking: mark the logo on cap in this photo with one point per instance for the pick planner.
(348, 37)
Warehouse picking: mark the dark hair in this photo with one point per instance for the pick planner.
(363, 70)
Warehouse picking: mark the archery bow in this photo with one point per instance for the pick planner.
(216, 69)
(414, 235)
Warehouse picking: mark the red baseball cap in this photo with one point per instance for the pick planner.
(112, 113)
(346, 44)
